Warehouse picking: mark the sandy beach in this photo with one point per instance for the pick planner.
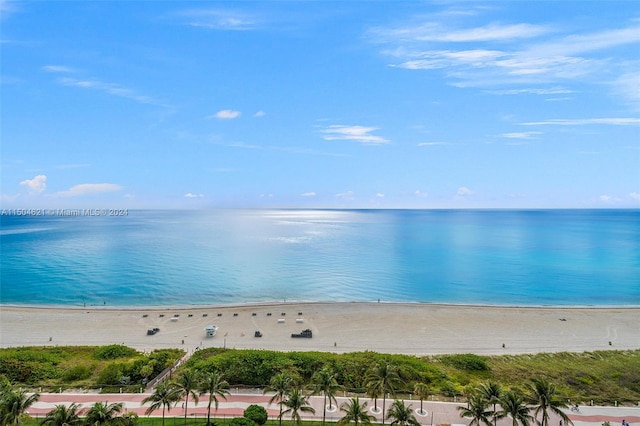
(420, 329)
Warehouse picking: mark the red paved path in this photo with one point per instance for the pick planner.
(234, 405)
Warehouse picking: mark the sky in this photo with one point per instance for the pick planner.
(320, 104)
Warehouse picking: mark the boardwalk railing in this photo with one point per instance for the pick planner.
(166, 373)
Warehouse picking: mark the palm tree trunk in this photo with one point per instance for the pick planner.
(163, 407)
(209, 413)
(324, 408)
(495, 417)
(186, 403)
(383, 405)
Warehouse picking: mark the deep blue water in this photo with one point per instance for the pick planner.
(502, 257)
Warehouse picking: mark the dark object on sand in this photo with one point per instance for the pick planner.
(152, 331)
(305, 333)
(257, 334)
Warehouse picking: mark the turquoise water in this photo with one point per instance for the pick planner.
(534, 257)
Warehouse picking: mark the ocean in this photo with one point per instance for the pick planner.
(162, 257)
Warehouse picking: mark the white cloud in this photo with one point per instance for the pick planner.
(608, 199)
(191, 195)
(432, 143)
(585, 121)
(6, 198)
(225, 114)
(463, 191)
(550, 56)
(88, 189)
(435, 32)
(379, 195)
(37, 185)
(260, 114)
(347, 195)
(420, 194)
(360, 134)
(57, 69)
(309, 194)
(520, 135)
(627, 87)
(634, 196)
(111, 89)
(531, 91)
(219, 19)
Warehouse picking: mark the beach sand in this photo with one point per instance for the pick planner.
(403, 328)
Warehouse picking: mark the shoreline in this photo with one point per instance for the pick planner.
(386, 327)
(305, 302)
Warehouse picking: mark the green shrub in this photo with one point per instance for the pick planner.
(111, 374)
(78, 372)
(241, 421)
(257, 414)
(114, 352)
(467, 362)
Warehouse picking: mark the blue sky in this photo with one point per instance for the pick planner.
(352, 104)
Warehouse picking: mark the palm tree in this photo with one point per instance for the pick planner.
(422, 391)
(373, 392)
(513, 405)
(401, 414)
(543, 396)
(103, 413)
(215, 385)
(15, 403)
(491, 392)
(355, 412)
(187, 384)
(385, 379)
(62, 415)
(477, 410)
(297, 401)
(165, 395)
(325, 382)
(280, 384)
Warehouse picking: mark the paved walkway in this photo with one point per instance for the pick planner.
(436, 412)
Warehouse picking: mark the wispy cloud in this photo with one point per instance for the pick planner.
(225, 114)
(192, 195)
(432, 143)
(71, 166)
(58, 69)
(7, 8)
(520, 135)
(88, 189)
(434, 31)
(290, 149)
(219, 19)
(464, 192)
(585, 121)
(360, 134)
(506, 54)
(110, 89)
(346, 196)
(308, 194)
(531, 91)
